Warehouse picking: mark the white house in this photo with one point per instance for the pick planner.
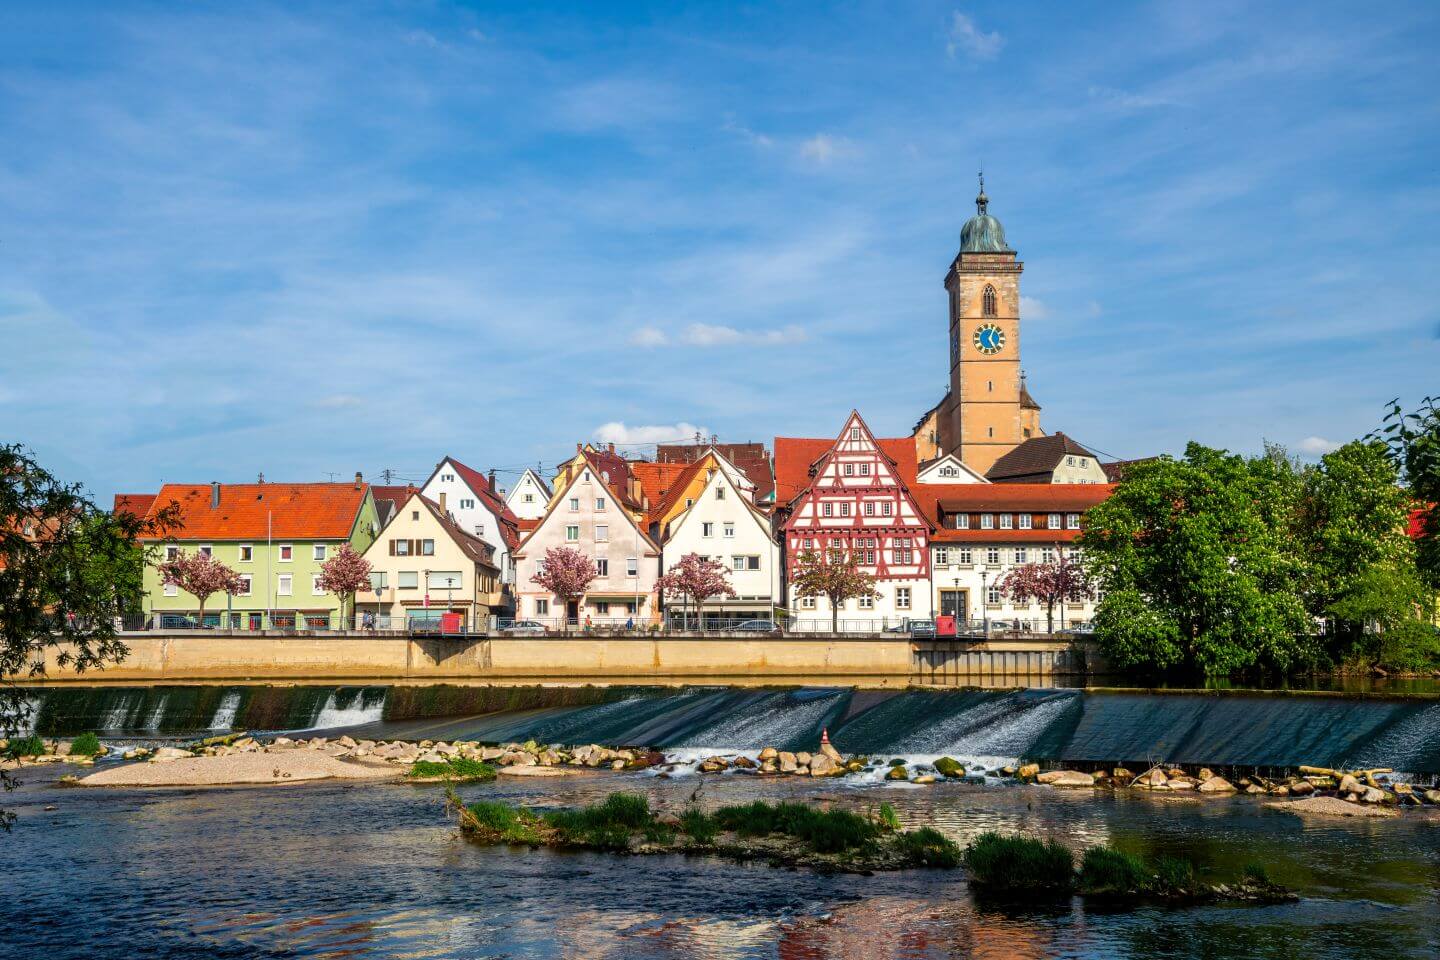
(529, 497)
(478, 510)
(948, 469)
(723, 524)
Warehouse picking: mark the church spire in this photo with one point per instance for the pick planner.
(981, 201)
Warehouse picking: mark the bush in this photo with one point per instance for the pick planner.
(1105, 870)
(1174, 875)
(698, 826)
(826, 831)
(31, 746)
(1410, 646)
(928, 847)
(1014, 863)
(457, 769)
(85, 745)
(504, 822)
(606, 825)
(887, 817)
(1255, 872)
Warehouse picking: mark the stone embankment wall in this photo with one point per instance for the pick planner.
(221, 655)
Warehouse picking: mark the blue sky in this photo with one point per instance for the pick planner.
(313, 239)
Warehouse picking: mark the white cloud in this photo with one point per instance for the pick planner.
(745, 133)
(824, 148)
(1124, 100)
(965, 37)
(649, 337)
(339, 401)
(1317, 446)
(1032, 309)
(617, 432)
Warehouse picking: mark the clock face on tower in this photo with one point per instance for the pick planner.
(989, 339)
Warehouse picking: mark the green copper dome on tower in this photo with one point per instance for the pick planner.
(982, 233)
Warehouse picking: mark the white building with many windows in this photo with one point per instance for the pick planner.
(473, 503)
(529, 497)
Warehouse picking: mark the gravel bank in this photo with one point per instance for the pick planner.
(287, 767)
(1331, 807)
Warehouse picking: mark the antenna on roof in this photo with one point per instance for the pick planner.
(262, 477)
(332, 475)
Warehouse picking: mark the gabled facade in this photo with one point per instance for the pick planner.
(716, 520)
(275, 535)
(470, 498)
(1053, 459)
(611, 469)
(530, 496)
(424, 564)
(588, 515)
(858, 502)
(949, 470)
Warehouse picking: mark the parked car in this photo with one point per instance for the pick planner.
(524, 628)
(758, 626)
(924, 629)
(1080, 630)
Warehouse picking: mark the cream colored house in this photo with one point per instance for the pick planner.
(424, 565)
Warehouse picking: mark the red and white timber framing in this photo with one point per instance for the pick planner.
(858, 503)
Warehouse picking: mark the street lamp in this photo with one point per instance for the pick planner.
(985, 601)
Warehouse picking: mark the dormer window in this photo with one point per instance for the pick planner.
(988, 301)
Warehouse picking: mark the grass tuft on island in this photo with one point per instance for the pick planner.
(455, 770)
(1011, 865)
(783, 834)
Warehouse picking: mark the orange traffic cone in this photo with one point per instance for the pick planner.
(824, 736)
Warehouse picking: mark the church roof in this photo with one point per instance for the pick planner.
(982, 233)
(1038, 455)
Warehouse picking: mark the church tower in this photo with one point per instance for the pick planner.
(982, 418)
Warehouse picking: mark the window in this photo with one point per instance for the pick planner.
(602, 532)
(886, 507)
(542, 607)
(286, 552)
(315, 588)
(171, 590)
(1072, 521)
(807, 544)
(844, 509)
(572, 532)
(574, 503)
(990, 431)
(807, 603)
(987, 300)
(942, 556)
(528, 498)
(729, 529)
(207, 550)
(632, 567)
(1021, 556)
(427, 548)
(966, 557)
(599, 503)
(399, 548)
(407, 580)
(1047, 554)
(1025, 519)
(869, 509)
(377, 581)
(689, 502)
(247, 553)
(992, 596)
(447, 476)
(479, 529)
(992, 554)
(1069, 461)
(319, 549)
(949, 472)
(866, 602)
(989, 386)
(849, 469)
(442, 580)
(172, 552)
(602, 607)
(864, 469)
(987, 521)
(902, 598)
(854, 433)
(467, 504)
(1053, 521)
(707, 529)
(282, 585)
(414, 514)
(1084, 462)
(246, 584)
(962, 521)
(1007, 521)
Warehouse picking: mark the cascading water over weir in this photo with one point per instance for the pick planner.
(986, 726)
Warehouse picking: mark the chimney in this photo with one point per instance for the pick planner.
(492, 479)
(579, 447)
(443, 511)
(214, 495)
(359, 480)
(611, 446)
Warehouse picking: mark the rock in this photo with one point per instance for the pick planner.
(615, 764)
(62, 749)
(1175, 773)
(713, 765)
(1181, 783)
(1404, 789)
(803, 759)
(1349, 784)
(788, 761)
(1280, 791)
(1372, 795)
(1331, 806)
(1153, 779)
(1214, 784)
(1120, 773)
(769, 766)
(1254, 788)
(897, 773)
(948, 767)
(1007, 771)
(1432, 796)
(1028, 771)
(535, 772)
(1301, 788)
(823, 765)
(828, 750)
(169, 753)
(769, 753)
(1066, 778)
(1205, 774)
(924, 779)
(744, 763)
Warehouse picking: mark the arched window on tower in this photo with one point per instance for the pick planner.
(988, 301)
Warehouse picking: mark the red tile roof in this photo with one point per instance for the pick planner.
(247, 511)
(476, 549)
(657, 479)
(795, 455)
(135, 504)
(1034, 498)
(751, 459)
(480, 483)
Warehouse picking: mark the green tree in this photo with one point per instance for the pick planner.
(1414, 443)
(1351, 530)
(1196, 565)
(68, 572)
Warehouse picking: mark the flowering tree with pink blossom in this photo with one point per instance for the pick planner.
(345, 574)
(697, 579)
(1049, 582)
(833, 574)
(567, 573)
(200, 575)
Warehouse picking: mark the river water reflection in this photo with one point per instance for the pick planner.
(365, 870)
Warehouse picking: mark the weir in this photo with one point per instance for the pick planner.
(1225, 729)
